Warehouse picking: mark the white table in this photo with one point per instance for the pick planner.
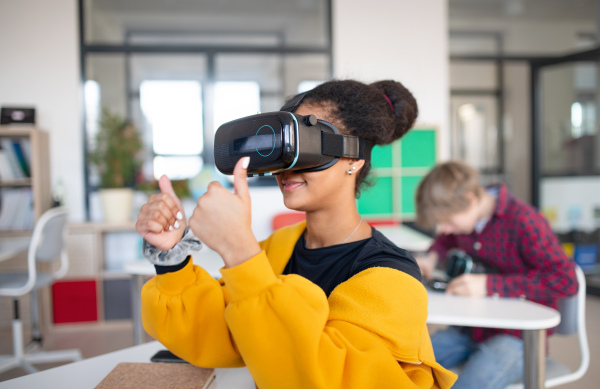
(406, 237)
(11, 246)
(497, 312)
(88, 373)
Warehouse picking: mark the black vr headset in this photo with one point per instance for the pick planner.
(282, 140)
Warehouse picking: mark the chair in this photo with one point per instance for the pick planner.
(572, 319)
(47, 245)
(287, 218)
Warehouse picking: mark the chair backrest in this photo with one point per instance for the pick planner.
(47, 244)
(286, 219)
(48, 241)
(52, 232)
(572, 319)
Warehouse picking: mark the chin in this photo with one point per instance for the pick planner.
(292, 204)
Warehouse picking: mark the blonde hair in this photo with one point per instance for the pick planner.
(444, 192)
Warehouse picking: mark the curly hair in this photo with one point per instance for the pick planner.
(380, 112)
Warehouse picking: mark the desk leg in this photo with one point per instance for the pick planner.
(136, 306)
(534, 358)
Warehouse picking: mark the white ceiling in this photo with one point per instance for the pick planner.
(584, 10)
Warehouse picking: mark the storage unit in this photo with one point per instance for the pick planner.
(35, 177)
(24, 197)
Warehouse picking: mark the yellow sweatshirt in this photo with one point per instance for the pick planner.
(369, 333)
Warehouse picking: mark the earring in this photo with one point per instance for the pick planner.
(351, 171)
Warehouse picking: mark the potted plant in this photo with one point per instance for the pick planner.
(118, 144)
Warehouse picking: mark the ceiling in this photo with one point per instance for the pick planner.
(527, 9)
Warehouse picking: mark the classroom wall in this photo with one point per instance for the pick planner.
(39, 66)
(372, 41)
(530, 37)
(402, 40)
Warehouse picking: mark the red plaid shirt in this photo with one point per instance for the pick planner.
(519, 242)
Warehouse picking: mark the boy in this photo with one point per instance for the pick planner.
(506, 234)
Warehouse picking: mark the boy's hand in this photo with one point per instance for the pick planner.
(161, 220)
(473, 285)
(427, 264)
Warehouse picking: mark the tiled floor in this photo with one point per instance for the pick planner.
(92, 341)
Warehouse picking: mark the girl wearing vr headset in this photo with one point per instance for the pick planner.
(326, 303)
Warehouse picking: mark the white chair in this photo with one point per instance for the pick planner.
(572, 319)
(47, 245)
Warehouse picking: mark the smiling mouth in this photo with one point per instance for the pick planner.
(289, 186)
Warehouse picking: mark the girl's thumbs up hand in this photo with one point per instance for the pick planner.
(222, 220)
(161, 221)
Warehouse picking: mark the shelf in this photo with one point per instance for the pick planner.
(17, 130)
(16, 183)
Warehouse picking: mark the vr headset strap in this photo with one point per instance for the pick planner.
(339, 145)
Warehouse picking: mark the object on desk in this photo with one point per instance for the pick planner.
(157, 375)
(458, 262)
(165, 356)
(15, 160)
(17, 115)
(437, 285)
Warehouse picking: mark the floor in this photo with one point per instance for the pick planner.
(95, 340)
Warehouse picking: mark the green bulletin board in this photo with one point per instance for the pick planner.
(396, 171)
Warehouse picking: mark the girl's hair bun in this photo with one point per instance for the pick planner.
(405, 109)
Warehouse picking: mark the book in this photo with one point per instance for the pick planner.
(21, 158)
(13, 161)
(128, 375)
(8, 208)
(26, 148)
(6, 173)
(16, 209)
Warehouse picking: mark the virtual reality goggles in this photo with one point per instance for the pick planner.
(280, 141)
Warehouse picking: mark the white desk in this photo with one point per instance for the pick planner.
(11, 246)
(406, 237)
(497, 312)
(88, 373)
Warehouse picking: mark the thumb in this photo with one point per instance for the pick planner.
(240, 181)
(166, 187)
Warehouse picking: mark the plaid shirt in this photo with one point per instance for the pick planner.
(530, 261)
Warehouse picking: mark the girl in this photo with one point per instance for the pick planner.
(326, 303)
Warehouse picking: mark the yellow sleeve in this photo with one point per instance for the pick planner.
(185, 311)
(371, 333)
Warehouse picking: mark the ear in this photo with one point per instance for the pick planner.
(473, 198)
(357, 163)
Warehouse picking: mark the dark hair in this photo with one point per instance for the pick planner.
(364, 111)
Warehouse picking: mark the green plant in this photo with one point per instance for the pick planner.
(116, 153)
(180, 187)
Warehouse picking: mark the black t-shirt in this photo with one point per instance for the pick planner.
(330, 266)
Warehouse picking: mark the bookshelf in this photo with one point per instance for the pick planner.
(34, 179)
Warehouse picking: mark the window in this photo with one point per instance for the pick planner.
(235, 99)
(178, 71)
(173, 114)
